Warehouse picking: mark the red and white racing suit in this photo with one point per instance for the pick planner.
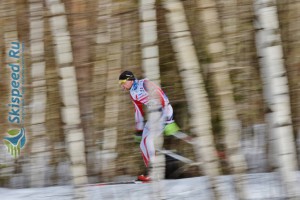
(139, 93)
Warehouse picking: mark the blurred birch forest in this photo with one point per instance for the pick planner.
(230, 69)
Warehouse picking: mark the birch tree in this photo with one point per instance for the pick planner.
(111, 107)
(220, 71)
(150, 66)
(190, 72)
(289, 16)
(80, 30)
(132, 61)
(10, 35)
(68, 90)
(189, 68)
(100, 69)
(276, 92)
(39, 150)
(148, 29)
(229, 22)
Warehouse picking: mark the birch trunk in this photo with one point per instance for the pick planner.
(111, 107)
(3, 72)
(193, 85)
(276, 92)
(219, 69)
(39, 150)
(148, 29)
(150, 65)
(229, 22)
(10, 35)
(220, 72)
(289, 16)
(293, 62)
(199, 109)
(100, 71)
(79, 27)
(68, 91)
(131, 60)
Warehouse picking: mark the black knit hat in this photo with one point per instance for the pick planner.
(126, 75)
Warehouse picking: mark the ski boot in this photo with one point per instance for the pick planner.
(144, 178)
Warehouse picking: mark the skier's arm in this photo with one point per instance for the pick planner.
(138, 136)
(139, 115)
(155, 93)
(139, 120)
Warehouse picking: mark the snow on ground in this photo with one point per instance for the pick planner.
(263, 186)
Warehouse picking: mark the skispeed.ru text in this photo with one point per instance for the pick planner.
(15, 92)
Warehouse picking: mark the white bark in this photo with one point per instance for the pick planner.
(220, 70)
(292, 45)
(39, 150)
(112, 35)
(10, 29)
(189, 67)
(103, 38)
(276, 91)
(68, 88)
(192, 80)
(148, 29)
(150, 65)
(10, 34)
(229, 18)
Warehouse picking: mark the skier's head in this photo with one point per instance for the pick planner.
(126, 79)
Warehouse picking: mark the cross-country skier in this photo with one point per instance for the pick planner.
(141, 92)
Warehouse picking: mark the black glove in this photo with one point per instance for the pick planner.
(138, 136)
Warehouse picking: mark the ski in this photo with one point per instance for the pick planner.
(119, 183)
(183, 136)
(176, 156)
(190, 140)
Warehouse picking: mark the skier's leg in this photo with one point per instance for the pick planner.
(152, 140)
(157, 170)
(148, 152)
(147, 146)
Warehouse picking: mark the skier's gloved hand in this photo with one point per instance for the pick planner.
(138, 136)
(171, 129)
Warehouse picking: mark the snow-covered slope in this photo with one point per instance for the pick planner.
(258, 186)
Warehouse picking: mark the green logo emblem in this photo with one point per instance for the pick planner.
(15, 141)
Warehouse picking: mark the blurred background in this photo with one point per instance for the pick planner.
(229, 68)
